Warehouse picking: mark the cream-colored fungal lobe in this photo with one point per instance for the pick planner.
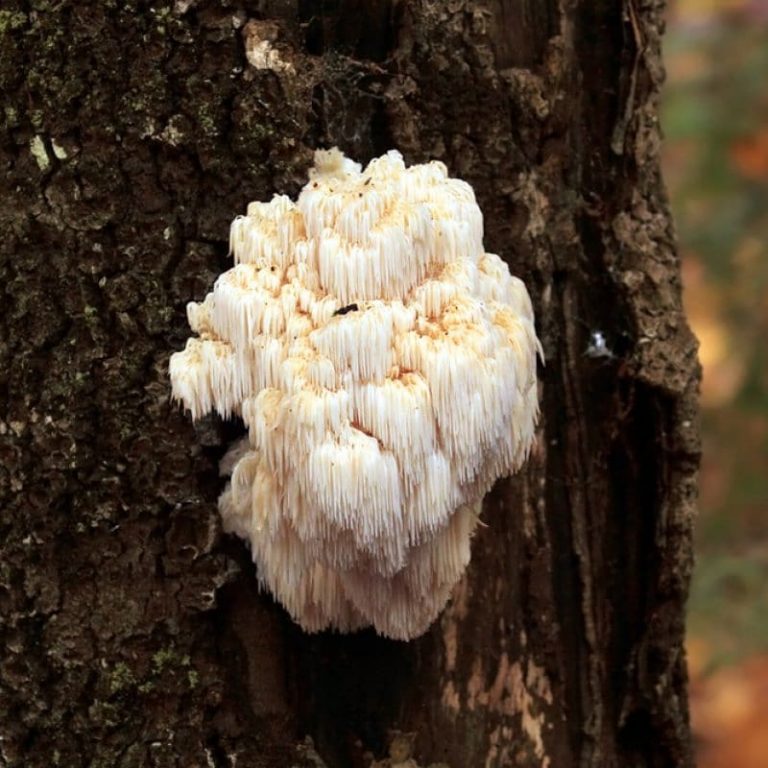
(385, 367)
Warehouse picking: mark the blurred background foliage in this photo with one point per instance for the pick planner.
(715, 119)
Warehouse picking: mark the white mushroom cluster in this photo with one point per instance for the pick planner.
(385, 367)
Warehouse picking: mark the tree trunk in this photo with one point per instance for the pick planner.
(133, 632)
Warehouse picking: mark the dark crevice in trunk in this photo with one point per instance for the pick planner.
(352, 692)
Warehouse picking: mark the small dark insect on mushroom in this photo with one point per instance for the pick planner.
(345, 310)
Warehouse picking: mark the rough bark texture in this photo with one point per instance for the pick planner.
(132, 632)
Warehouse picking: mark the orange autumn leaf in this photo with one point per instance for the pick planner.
(698, 8)
(750, 155)
(723, 363)
(730, 716)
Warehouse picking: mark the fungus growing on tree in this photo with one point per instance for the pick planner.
(385, 367)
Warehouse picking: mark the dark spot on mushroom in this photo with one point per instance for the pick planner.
(345, 310)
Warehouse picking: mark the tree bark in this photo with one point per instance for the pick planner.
(132, 631)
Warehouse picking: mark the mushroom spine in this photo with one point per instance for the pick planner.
(385, 367)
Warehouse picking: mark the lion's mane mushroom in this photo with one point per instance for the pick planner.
(385, 367)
